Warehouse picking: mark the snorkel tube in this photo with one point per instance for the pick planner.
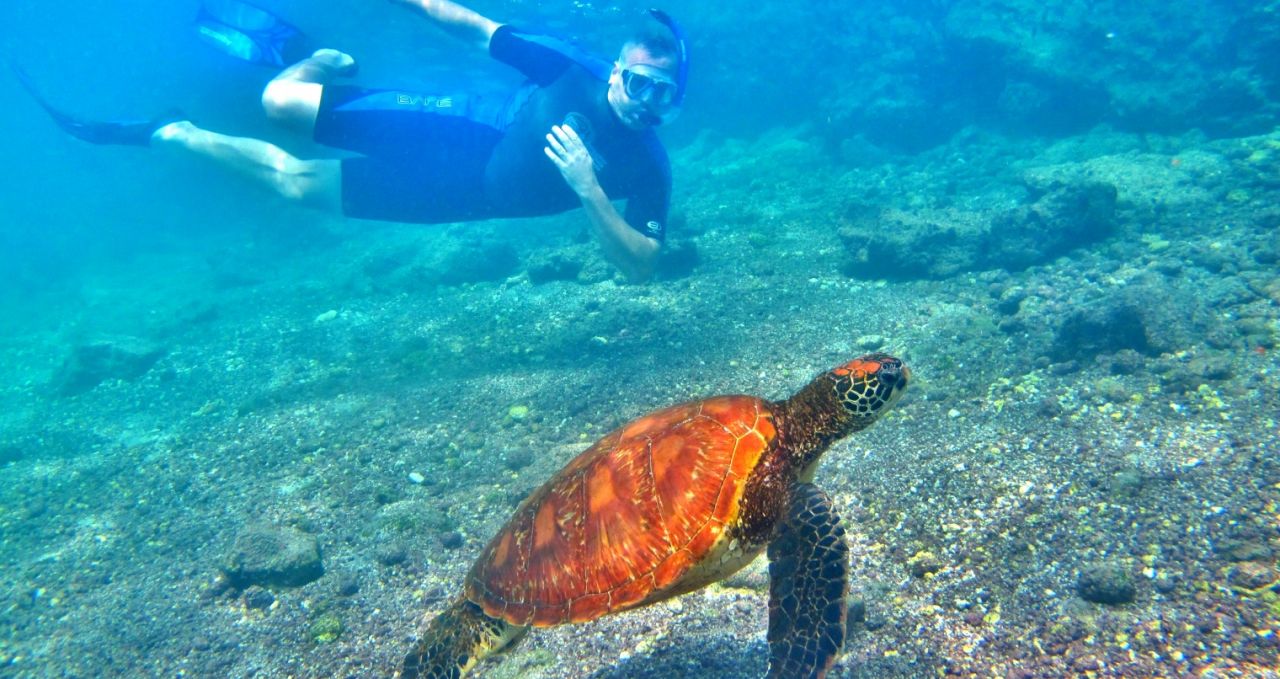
(682, 68)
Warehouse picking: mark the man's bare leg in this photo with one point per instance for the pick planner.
(315, 183)
(293, 97)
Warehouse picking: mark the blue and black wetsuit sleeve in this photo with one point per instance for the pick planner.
(542, 58)
(650, 201)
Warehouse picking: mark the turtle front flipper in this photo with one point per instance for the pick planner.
(808, 582)
(456, 640)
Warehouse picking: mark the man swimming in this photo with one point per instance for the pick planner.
(579, 132)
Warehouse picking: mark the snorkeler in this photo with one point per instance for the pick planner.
(578, 133)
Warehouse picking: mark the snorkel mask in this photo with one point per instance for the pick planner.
(662, 99)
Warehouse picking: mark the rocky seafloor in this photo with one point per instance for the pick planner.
(278, 462)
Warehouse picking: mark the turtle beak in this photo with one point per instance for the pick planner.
(904, 377)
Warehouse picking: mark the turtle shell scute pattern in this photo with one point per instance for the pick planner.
(625, 520)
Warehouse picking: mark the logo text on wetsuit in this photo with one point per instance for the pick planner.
(424, 100)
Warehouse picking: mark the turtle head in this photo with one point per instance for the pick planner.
(839, 402)
(867, 386)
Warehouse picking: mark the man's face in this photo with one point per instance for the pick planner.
(641, 104)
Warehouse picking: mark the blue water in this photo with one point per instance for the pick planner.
(395, 390)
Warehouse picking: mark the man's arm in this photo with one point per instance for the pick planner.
(456, 20)
(629, 250)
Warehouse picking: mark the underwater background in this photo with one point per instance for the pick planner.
(1062, 215)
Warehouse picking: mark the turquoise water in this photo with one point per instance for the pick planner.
(1062, 216)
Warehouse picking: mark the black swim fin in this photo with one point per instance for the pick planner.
(249, 33)
(118, 132)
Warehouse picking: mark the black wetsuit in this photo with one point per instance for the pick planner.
(462, 157)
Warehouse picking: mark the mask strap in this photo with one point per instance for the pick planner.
(682, 46)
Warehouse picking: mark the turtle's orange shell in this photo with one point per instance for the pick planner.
(626, 520)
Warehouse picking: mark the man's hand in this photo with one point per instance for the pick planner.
(565, 149)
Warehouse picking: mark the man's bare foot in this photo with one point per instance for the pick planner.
(172, 131)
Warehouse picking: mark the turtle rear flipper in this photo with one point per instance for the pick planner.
(808, 582)
(456, 640)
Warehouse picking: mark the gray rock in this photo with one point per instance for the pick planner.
(91, 364)
(1201, 369)
(555, 265)
(348, 585)
(477, 261)
(1104, 327)
(870, 342)
(1147, 316)
(1065, 217)
(677, 259)
(456, 263)
(1143, 317)
(267, 555)
(391, 554)
(1106, 583)
(258, 598)
(920, 244)
(1125, 362)
(1251, 575)
(1243, 550)
(938, 243)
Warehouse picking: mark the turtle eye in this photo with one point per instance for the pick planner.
(893, 374)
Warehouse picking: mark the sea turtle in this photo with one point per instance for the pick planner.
(667, 504)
